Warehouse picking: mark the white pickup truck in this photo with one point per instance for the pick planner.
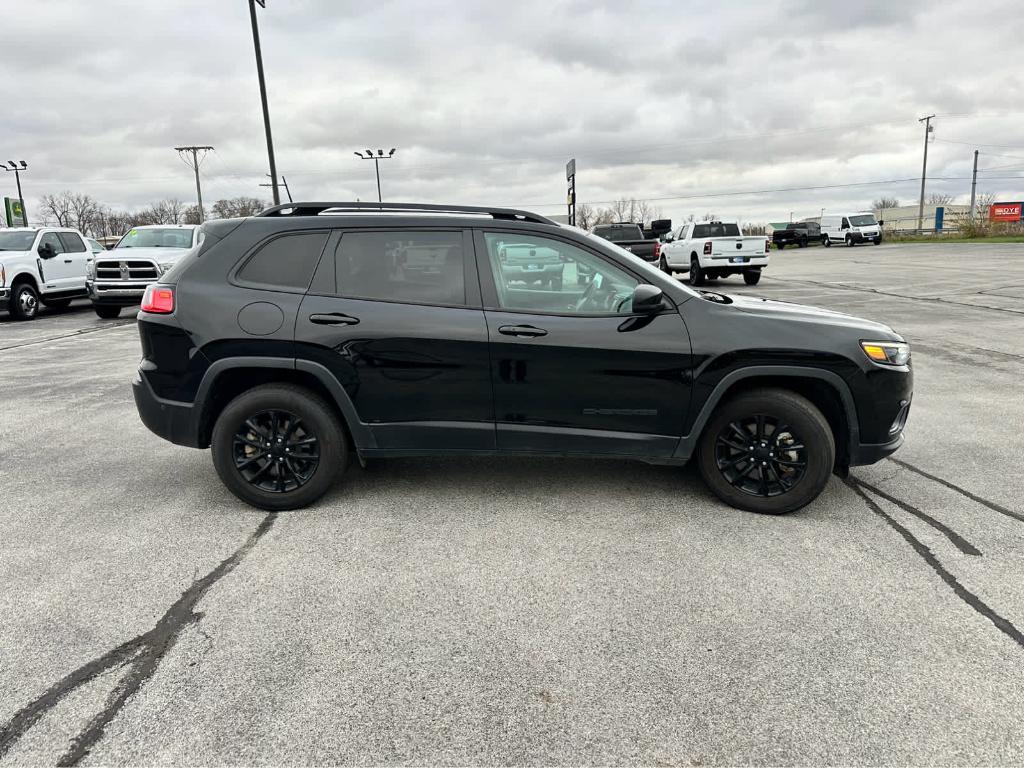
(41, 265)
(713, 249)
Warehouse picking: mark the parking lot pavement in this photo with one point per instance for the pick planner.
(522, 610)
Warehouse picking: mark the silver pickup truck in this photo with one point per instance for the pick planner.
(117, 278)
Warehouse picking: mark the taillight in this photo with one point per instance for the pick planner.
(767, 245)
(707, 248)
(158, 299)
(3, 277)
(657, 249)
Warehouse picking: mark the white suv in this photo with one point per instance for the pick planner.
(118, 277)
(41, 265)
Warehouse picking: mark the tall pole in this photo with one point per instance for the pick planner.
(263, 96)
(974, 182)
(376, 167)
(21, 199)
(924, 171)
(194, 163)
(376, 164)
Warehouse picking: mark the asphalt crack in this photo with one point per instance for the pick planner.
(72, 334)
(142, 655)
(1002, 624)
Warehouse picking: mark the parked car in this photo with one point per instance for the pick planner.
(712, 249)
(850, 228)
(798, 233)
(631, 238)
(94, 246)
(118, 277)
(41, 265)
(287, 341)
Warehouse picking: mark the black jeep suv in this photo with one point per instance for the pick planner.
(287, 341)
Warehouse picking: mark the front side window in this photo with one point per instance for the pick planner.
(537, 274)
(846, 223)
(52, 239)
(286, 261)
(403, 266)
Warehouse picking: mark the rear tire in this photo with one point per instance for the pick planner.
(802, 243)
(24, 301)
(849, 242)
(780, 246)
(752, 277)
(267, 461)
(734, 459)
(663, 266)
(106, 312)
(697, 276)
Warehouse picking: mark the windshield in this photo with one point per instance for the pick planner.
(650, 273)
(867, 220)
(619, 234)
(16, 241)
(156, 238)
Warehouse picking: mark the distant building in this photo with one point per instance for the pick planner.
(937, 218)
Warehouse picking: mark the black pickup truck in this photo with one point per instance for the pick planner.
(631, 237)
(797, 233)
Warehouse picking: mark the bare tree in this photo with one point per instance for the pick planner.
(192, 216)
(84, 211)
(939, 198)
(983, 202)
(884, 203)
(237, 206)
(169, 211)
(58, 207)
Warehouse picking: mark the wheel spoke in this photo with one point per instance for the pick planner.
(734, 462)
(260, 471)
(247, 441)
(257, 430)
(250, 460)
(762, 486)
(292, 426)
(739, 431)
(303, 441)
(788, 463)
(760, 427)
(778, 479)
(273, 424)
(724, 441)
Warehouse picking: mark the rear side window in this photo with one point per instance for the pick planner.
(701, 230)
(286, 261)
(72, 242)
(403, 266)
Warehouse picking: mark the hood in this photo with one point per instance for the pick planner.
(160, 255)
(802, 313)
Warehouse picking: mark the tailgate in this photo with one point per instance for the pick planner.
(738, 246)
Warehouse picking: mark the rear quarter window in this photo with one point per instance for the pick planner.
(72, 242)
(287, 261)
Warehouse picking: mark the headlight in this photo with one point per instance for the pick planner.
(165, 266)
(887, 352)
(90, 268)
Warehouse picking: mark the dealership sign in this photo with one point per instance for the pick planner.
(1005, 211)
(13, 214)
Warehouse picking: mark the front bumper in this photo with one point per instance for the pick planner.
(5, 299)
(115, 294)
(861, 237)
(169, 419)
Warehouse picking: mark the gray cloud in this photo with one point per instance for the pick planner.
(486, 101)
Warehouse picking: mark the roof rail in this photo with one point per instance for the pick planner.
(315, 209)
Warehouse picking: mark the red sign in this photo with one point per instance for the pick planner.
(1005, 212)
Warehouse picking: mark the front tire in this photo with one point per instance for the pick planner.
(697, 275)
(877, 241)
(106, 312)
(769, 451)
(826, 241)
(752, 277)
(24, 302)
(278, 447)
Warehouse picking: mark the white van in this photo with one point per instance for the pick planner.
(850, 228)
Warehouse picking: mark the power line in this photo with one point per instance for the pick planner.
(196, 161)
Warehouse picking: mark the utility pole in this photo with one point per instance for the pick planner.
(263, 96)
(924, 171)
(194, 164)
(13, 166)
(379, 156)
(284, 183)
(974, 182)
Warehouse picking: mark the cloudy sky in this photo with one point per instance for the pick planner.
(675, 102)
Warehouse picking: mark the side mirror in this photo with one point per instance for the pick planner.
(881, 222)
(47, 251)
(647, 299)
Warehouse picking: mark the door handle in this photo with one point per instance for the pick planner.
(67, 261)
(334, 318)
(522, 331)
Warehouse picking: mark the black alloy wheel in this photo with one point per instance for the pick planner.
(276, 451)
(760, 456)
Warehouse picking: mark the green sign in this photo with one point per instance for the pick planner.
(13, 213)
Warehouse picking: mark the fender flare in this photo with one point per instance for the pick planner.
(361, 434)
(688, 442)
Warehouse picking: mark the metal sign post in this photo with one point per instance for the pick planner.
(570, 177)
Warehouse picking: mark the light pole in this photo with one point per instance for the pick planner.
(263, 95)
(376, 164)
(18, 167)
(924, 170)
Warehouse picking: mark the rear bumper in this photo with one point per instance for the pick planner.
(169, 419)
